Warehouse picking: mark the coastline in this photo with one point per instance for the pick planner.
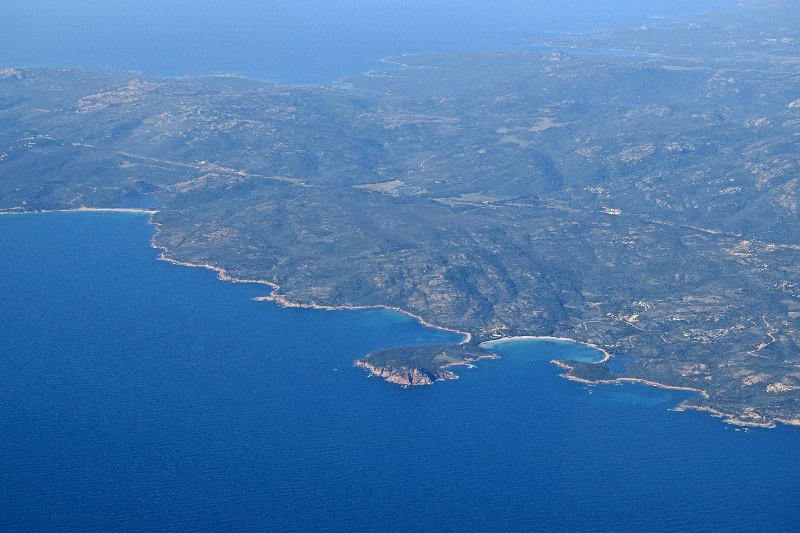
(405, 377)
(284, 302)
(729, 419)
(606, 357)
(735, 420)
(468, 361)
(411, 369)
(623, 379)
(281, 300)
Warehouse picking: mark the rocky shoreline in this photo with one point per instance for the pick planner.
(406, 376)
(421, 365)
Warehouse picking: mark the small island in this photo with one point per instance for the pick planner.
(421, 365)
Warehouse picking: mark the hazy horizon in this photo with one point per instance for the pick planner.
(278, 40)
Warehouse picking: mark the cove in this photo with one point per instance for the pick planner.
(548, 347)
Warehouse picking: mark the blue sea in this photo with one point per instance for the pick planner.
(291, 41)
(139, 395)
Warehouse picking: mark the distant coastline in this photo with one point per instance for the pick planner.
(83, 210)
(353, 48)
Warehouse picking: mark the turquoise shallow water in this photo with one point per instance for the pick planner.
(547, 348)
(139, 395)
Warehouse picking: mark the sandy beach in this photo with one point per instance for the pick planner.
(606, 355)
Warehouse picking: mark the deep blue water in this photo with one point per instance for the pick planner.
(308, 41)
(140, 395)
